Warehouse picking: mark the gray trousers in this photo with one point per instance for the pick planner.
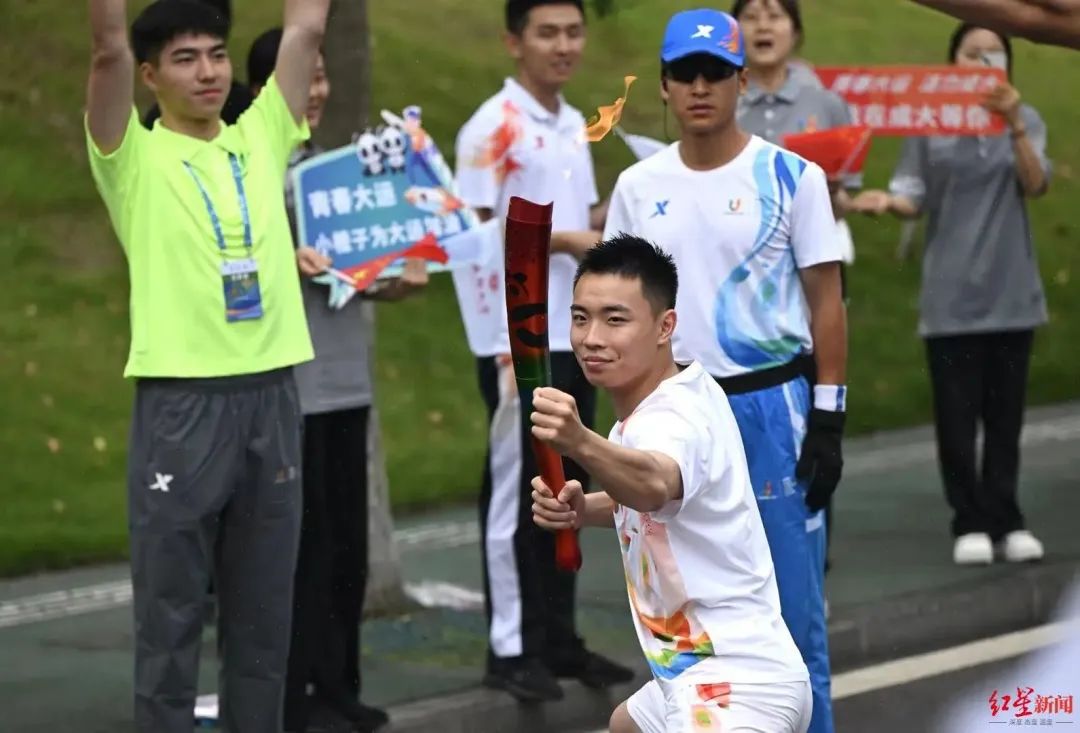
(213, 488)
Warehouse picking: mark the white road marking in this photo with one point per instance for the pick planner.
(438, 536)
(974, 654)
(436, 594)
(107, 596)
(60, 604)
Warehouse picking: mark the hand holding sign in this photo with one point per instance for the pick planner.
(312, 262)
(1005, 101)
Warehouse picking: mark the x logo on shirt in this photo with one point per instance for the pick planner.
(661, 208)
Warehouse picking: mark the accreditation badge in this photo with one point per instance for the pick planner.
(240, 279)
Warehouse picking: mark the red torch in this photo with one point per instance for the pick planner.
(528, 244)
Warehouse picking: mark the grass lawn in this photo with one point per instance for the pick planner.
(63, 290)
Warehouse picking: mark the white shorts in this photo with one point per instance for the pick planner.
(777, 707)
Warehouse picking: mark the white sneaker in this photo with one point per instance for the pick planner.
(974, 548)
(1021, 546)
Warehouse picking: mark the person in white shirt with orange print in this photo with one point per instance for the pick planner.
(528, 141)
(677, 489)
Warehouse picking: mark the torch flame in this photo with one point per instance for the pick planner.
(608, 116)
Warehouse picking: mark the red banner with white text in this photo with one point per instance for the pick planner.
(911, 101)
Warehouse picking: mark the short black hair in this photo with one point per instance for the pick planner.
(962, 32)
(262, 58)
(222, 6)
(517, 12)
(634, 258)
(791, 7)
(164, 20)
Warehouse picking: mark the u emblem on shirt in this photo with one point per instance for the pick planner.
(734, 206)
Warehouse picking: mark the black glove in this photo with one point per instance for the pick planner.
(821, 460)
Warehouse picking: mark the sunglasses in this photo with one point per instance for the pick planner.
(687, 70)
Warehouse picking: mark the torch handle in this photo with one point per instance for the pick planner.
(567, 550)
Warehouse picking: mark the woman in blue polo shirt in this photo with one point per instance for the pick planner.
(981, 300)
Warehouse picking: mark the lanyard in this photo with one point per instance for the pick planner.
(215, 221)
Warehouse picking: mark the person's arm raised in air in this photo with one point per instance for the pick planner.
(1044, 21)
(1029, 145)
(302, 35)
(110, 92)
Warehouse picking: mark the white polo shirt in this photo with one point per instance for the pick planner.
(699, 573)
(513, 146)
(739, 235)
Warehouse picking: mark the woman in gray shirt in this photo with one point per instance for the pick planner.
(783, 95)
(981, 299)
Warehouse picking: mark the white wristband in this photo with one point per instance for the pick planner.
(830, 397)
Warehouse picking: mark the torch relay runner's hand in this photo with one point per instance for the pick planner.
(566, 511)
(312, 262)
(556, 421)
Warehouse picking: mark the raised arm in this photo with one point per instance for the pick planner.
(110, 91)
(301, 38)
(1045, 21)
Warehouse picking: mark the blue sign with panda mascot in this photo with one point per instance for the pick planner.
(388, 195)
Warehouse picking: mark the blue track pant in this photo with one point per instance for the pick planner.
(773, 422)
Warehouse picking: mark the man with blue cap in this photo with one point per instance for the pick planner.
(751, 229)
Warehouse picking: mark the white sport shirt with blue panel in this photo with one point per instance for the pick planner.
(739, 235)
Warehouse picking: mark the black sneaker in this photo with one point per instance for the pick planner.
(591, 669)
(326, 720)
(525, 678)
(363, 718)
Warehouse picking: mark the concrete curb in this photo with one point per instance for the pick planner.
(925, 620)
(858, 635)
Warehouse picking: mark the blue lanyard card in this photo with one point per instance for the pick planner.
(243, 301)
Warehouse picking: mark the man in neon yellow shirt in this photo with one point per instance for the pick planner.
(217, 324)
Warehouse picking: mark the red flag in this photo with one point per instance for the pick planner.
(839, 151)
(427, 248)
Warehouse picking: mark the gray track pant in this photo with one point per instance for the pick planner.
(213, 486)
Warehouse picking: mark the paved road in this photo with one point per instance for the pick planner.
(65, 639)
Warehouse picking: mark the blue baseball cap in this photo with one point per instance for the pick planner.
(704, 31)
